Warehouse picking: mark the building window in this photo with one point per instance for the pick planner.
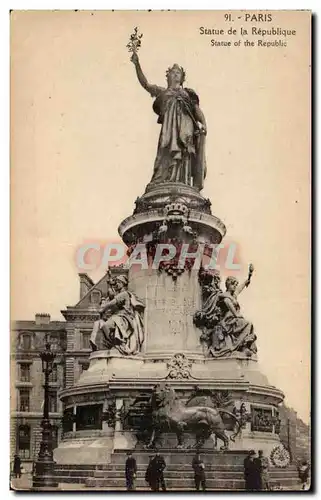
(95, 297)
(24, 400)
(85, 340)
(53, 340)
(24, 372)
(53, 376)
(26, 342)
(53, 406)
(24, 441)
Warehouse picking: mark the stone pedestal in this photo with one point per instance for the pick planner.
(151, 210)
(110, 375)
(169, 311)
(172, 351)
(84, 450)
(123, 440)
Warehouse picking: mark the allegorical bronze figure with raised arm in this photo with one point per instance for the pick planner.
(235, 326)
(181, 146)
(224, 329)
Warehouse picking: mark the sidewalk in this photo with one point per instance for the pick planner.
(24, 483)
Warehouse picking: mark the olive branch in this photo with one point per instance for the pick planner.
(134, 41)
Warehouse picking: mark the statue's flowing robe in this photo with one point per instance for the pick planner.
(239, 329)
(210, 306)
(128, 325)
(177, 141)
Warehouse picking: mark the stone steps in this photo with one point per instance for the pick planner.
(26, 484)
(71, 479)
(220, 480)
(142, 467)
(224, 471)
(190, 474)
(92, 467)
(182, 467)
(187, 484)
(186, 469)
(185, 457)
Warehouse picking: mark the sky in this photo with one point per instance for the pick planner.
(83, 143)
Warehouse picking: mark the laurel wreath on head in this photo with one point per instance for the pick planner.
(280, 457)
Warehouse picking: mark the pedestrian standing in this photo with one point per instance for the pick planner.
(162, 467)
(155, 472)
(148, 475)
(130, 471)
(264, 471)
(17, 466)
(199, 472)
(252, 472)
(304, 469)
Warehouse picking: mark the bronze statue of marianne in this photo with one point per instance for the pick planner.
(181, 146)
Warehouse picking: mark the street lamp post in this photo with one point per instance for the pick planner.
(44, 475)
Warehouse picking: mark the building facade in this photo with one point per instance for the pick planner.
(71, 346)
(27, 395)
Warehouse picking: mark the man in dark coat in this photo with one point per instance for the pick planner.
(17, 466)
(155, 472)
(199, 472)
(304, 470)
(148, 478)
(252, 472)
(264, 471)
(130, 471)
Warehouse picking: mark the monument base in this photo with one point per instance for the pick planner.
(109, 366)
(110, 388)
(80, 451)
